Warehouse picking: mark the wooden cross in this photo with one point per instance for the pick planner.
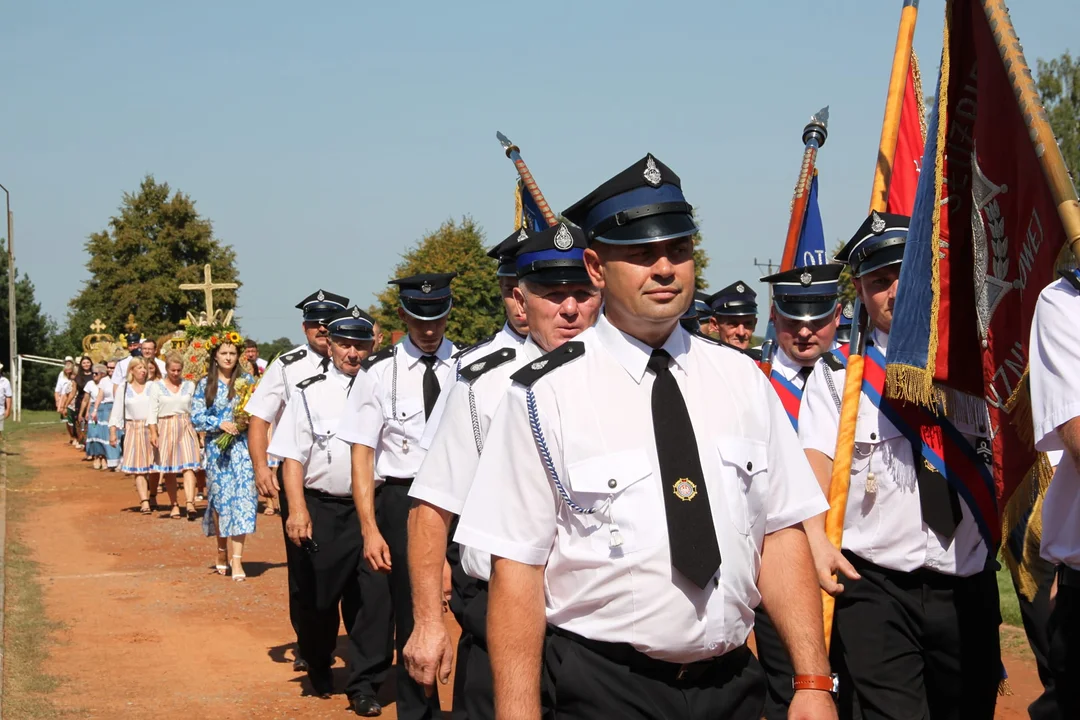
(208, 287)
(131, 326)
(97, 326)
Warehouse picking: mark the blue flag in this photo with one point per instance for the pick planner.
(530, 217)
(811, 247)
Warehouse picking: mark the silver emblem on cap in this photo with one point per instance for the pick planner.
(356, 312)
(476, 367)
(563, 239)
(849, 311)
(425, 288)
(877, 226)
(806, 278)
(740, 288)
(320, 297)
(539, 365)
(652, 173)
(522, 236)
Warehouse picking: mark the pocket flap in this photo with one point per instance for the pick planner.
(407, 407)
(609, 474)
(750, 457)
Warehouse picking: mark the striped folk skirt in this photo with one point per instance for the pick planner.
(138, 452)
(178, 445)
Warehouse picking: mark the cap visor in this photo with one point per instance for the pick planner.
(559, 276)
(426, 310)
(654, 228)
(805, 311)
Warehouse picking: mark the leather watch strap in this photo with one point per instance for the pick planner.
(825, 683)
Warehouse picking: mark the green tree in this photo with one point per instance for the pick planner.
(270, 350)
(1058, 82)
(454, 247)
(847, 288)
(701, 259)
(34, 334)
(155, 243)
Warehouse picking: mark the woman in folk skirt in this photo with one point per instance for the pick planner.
(131, 407)
(232, 502)
(99, 402)
(172, 433)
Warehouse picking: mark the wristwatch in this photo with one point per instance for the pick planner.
(825, 683)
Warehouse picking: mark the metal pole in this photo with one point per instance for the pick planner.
(13, 347)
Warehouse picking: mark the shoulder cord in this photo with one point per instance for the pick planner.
(393, 406)
(478, 439)
(545, 455)
(316, 435)
(832, 387)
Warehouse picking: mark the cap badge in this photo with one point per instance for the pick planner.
(321, 296)
(522, 236)
(685, 489)
(740, 288)
(425, 288)
(877, 225)
(563, 239)
(476, 367)
(539, 365)
(652, 173)
(806, 278)
(849, 311)
(356, 312)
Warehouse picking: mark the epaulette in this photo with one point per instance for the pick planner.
(305, 384)
(470, 348)
(384, 354)
(543, 365)
(488, 362)
(1073, 276)
(834, 363)
(753, 353)
(290, 358)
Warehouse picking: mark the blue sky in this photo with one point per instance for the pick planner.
(323, 139)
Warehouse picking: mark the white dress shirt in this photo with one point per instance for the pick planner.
(449, 467)
(120, 373)
(390, 418)
(5, 391)
(504, 338)
(1055, 399)
(277, 385)
(165, 403)
(307, 432)
(596, 415)
(884, 524)
(129, 405)
(60, 380)
(787, 368)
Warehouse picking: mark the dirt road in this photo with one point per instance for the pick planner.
(152, 632)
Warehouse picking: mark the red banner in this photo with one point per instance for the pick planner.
(909, 146)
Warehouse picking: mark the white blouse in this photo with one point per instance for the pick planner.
(165, 403)
(130, 405)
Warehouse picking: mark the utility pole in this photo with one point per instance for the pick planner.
(768, 265)
(13, 347)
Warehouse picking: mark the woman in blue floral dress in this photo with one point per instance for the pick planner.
(232, 501)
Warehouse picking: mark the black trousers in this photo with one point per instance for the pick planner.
(590, 680)
(1036, 616)
(920, 644)
(474, 687)
(1064, 635)
(336, 576)
(294, 559)
(392, 503)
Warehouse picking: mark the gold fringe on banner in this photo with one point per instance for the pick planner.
(920, 102)
(1004, 688)
(1026, 501)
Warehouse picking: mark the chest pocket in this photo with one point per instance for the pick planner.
(743, 479)
(623, 487)
(407, 409)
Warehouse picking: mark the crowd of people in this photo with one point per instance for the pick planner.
(609, 494)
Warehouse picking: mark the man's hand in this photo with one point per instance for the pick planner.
(377, 552)
(266, 482)
(830, 564)
(812, 705)
(298, 526)
(429, 654)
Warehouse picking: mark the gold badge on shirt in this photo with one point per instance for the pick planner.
(685, 489)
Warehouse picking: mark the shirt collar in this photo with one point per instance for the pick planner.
(342, 379)
(633, 354)
(881, 340)
(413, 353)
(512, 334)
(783, 360)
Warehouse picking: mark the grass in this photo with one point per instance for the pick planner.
(1010, 607)
(28, 632)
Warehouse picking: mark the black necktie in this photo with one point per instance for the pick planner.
(691, 533)
(805, 373)
(938, 499)
(431, 384)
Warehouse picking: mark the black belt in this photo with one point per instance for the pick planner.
(323, 495)
(628, 656)
(1067, 577)
(403, 482)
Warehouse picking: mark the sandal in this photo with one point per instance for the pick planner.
(175, 512)
(144, 507)
(191, 512)
(221, 567)
(238, 576)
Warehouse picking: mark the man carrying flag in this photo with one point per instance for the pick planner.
(917, 615)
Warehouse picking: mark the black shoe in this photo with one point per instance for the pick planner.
(365, 706)
(299, 665)
(322, 684)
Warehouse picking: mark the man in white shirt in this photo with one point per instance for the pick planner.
(266, 405)
(5, 400)
(805, 315)
(316, 472)
(917, 612)
(1055, 409)
(734, 315)
(251, 354)
(559, 302)
(629, 519)
(148, 349)
(384, 427)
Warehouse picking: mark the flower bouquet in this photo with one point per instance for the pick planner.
(244, 388)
